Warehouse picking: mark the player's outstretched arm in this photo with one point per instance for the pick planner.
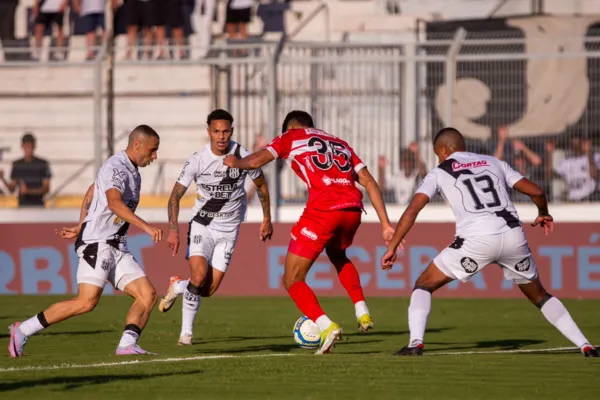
(366, 180)
(71, 233)
(252, 161)
(262, 190)
(173, 211)
(407, 220)
(537, 195)
(120, 209)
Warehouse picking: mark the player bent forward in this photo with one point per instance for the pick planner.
(330, 168)
(106, 213)
(219, 210)
(487, 231)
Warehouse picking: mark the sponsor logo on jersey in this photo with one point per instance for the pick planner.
(183, 170)
(469, 265)
(293, 236)
(309, 234)
(219, 174)
(338, 181)
(197, 239)
(105, 265)
(118, 179)
(234, 173)
(475, 164)
(228, 254)
(204, 213)
(523, 265)
(205, 174)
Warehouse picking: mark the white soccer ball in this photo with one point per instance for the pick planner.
(306, 333)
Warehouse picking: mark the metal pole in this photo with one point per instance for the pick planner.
(110, 86)
(274, 184)
(98, 114)
(459, 36)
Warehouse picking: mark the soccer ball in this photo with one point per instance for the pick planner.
(307, 333)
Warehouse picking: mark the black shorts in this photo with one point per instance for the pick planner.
(139, 13)
(169, 13)
(47, 19)
(238, 16)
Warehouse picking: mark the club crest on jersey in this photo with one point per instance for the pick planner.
(197, 239)
(456, 166)
(234, 173)
(469, 265)
(523, 265)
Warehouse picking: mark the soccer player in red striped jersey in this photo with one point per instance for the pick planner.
(329, 168)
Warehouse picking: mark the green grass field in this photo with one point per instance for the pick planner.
(264, 362)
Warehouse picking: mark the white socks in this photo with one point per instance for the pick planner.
(556, 313)
(31, 326)
(361, 309)
(323, 322)
(191, 304)
(130, 336)
(418, 311)
(180, 286)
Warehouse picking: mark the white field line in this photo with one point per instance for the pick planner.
(517, 351)
(136, 362)
(224, 356)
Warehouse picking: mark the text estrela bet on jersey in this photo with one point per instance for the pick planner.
(221, 197)
(476, 187)
(327, 165)
(101, 225)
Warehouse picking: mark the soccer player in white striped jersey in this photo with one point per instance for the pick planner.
(488, 231)
(219, 210)
(106, 213)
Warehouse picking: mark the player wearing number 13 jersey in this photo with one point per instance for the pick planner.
(488, 231)
(330, 168)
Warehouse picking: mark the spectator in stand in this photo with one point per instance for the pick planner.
(169, 13)
(529, 164)
(237, 18)
(579, 169)
(93, 14)
(402, 183)
(49, 13)
(139, 13)
(8, 9)
(30, 175)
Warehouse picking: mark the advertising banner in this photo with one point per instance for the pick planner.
(33, 260)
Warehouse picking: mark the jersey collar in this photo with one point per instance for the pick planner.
(130, 165)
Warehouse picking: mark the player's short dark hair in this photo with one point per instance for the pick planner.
(299, 116)
(146, 131)
(28, 138)
(444, 131)
(142, 130)
(219, 115)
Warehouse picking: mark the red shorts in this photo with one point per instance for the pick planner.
(320, 230)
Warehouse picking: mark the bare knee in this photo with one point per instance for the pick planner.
(197, 278)
(291, 277)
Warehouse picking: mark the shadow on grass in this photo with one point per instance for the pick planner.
(80, 333)
(505, 344)
(74, 382)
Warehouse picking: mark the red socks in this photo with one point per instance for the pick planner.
(350, 280)
(306, 300)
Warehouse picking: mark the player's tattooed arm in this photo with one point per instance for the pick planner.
(262, 190)
(86, 204)
(266, 227)
(176, 195)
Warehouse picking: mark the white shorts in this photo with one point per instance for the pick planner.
(465, 257)
(100, 262)
(215, 246)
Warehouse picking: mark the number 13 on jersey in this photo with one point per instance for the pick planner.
(482, 192)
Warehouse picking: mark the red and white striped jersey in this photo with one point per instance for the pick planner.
(327, 164)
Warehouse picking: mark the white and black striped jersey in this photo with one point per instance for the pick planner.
(220, 193)
(476, 187)
(101, 225)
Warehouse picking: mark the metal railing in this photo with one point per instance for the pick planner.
(380, 98)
